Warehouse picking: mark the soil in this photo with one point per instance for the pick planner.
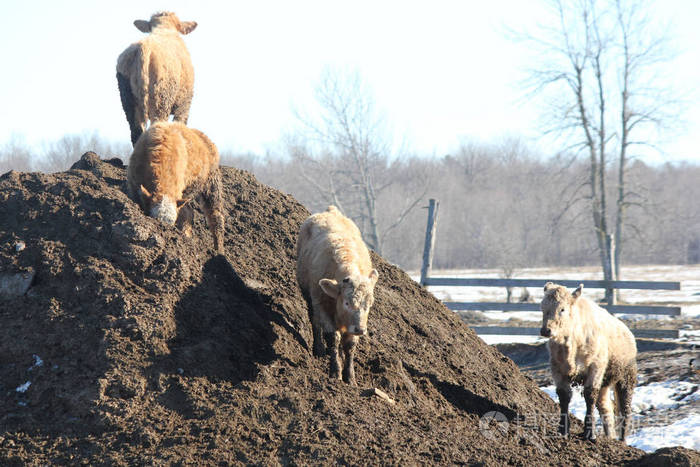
(136, 344)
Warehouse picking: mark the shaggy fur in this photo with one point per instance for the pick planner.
(170, 165)
(335, 274)
(155, 75)
(589, 346)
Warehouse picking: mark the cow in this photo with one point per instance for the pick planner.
(589, 346)
(171, 164)
(335, 274)
(155, 75)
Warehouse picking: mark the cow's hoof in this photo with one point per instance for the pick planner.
(350, 381)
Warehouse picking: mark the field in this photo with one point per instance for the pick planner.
(666, 403)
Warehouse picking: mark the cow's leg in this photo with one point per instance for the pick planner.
(564, 394)
(349, 342)
(213, 205)
(130, 108)
(317, 327)
(623, 396)
(184, 220)
(605, 408)
(591, 390)
(332, 339)
(590, 395)
(181, 110)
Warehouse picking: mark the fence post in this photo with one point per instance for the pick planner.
(610, 295)
(429, 240)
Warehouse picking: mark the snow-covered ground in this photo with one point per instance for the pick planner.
(688, 298)
(654, 398)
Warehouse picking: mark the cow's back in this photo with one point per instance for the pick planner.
(603, 328)
(329, 246)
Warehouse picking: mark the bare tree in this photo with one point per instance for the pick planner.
(61, 154)
(15, 155)
(600, 59)
(347, 156)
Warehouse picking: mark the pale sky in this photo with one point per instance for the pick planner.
(442, 72)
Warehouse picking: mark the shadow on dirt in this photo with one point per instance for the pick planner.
(462, 398)
(223, 328)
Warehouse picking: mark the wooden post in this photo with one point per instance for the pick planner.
(429, 240)
(610, 295)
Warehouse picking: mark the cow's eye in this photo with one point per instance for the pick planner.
(347, 304)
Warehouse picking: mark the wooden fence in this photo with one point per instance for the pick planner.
(427, 280)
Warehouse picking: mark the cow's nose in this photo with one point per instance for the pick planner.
(358, 330)
(545, 332)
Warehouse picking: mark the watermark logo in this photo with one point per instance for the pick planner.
(493, 424)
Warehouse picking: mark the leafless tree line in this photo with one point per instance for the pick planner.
(501, 206)
(59, 155)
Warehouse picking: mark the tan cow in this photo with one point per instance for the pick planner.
(172, 164)
(589, 346)
(335, 274)
(155, 75)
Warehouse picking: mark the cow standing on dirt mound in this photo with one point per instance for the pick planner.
(170, 165)
(155, 75)
(589, 346)
(335, 274)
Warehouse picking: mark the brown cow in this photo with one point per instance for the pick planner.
(335, 274)
(589, 346)
(172, 164)
(155, 75)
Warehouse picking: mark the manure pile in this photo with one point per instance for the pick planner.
(137, 345)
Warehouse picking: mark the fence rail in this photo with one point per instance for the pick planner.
(589, 284)
(609, 286)
(529, 331)
(616, 309)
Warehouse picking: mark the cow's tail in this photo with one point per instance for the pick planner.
(142, 61)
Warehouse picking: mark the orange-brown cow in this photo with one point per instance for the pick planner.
(172, 164)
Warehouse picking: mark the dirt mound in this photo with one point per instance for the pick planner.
(137, 345)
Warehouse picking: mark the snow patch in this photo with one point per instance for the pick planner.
(37, 362)
(684, 432)
(667, 395)
(23, 387)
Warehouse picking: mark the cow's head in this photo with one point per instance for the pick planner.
(354, 296)
(557, 310)
(161, 206)
(165, 20)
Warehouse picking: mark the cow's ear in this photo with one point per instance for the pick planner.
(143, 26)
(373, 276)
(145, 194)
(577, 293)
(548, 286)
(186, 27)
(330, 287)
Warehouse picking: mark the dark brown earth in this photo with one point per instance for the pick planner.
(143, 346)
